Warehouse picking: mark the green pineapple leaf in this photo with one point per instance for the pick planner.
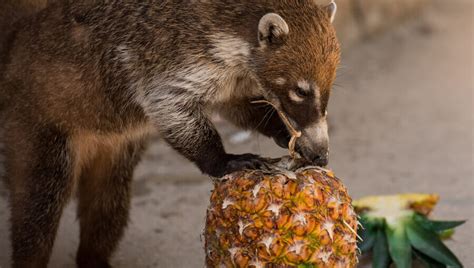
(381, 254)
(399, 245)
(368, 236)
(427, 261)
(428, 243)
(437, 226)
(440, 226)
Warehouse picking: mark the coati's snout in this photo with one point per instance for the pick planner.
(313, 145)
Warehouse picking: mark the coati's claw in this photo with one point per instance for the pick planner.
(244, 161)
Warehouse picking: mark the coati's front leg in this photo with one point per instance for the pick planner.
(185, 126)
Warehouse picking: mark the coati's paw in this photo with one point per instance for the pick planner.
(244, 161)
(235, 163)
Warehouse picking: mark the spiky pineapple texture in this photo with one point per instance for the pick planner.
(281, 219)
(397, 229)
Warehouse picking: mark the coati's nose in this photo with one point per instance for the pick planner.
(314, 143)
(321, 160)
(318, 156)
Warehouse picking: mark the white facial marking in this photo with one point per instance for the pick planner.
(318, 97)
(280, 81)
(319, 131)
(322, 129)
(294, 97)
(302, 84)
(305, 85)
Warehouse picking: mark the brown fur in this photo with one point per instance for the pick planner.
(78, 100)
(13, 10)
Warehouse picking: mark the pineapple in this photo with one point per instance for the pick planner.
(281, 219)
(397, 228)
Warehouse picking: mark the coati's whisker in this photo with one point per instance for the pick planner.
(295, 134)
(338, 86)
(342, 72)
(268, 119)
(264, 118)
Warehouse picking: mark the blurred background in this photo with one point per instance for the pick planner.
(401, 120)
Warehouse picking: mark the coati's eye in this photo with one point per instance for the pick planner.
(302, 93)
(298, 94)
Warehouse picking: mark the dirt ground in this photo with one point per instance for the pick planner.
(401, 121)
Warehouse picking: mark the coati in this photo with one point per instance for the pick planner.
(84, 83)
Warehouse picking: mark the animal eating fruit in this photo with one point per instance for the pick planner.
(281, 218)
(85, 84)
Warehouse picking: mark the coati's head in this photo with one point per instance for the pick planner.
(296, 64)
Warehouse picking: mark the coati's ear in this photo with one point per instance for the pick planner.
(272, 29)
(331, 10)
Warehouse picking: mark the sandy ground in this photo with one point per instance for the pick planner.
(401, 121)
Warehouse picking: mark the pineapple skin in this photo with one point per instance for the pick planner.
(300, 219)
